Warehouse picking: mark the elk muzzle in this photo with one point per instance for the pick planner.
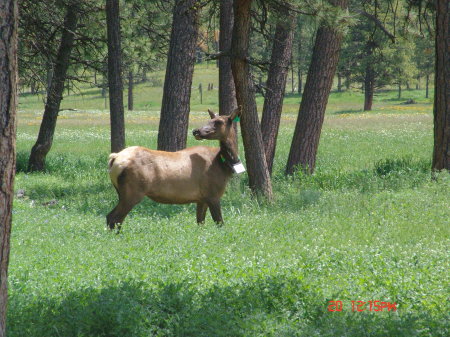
(203, 133)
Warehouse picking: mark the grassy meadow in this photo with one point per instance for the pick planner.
(369, 225)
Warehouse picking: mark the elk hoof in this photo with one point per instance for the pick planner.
(119, 227)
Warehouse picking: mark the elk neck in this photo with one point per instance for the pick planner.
(228, 149)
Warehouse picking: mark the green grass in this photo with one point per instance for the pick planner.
(370, 224)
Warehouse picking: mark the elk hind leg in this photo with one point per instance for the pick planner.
(127, 200)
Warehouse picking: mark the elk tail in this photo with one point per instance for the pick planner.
(114, 169)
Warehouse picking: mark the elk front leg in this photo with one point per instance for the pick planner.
(216, 212)
(202, 207)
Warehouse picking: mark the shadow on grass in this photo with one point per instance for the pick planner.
(30, 94)
(348, 111)
(92, 91)
(400, 100)
(263, 307)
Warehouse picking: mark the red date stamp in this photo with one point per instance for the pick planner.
(359, 306)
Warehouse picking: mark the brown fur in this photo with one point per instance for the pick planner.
(196, 174)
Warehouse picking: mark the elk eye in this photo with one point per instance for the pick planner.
(218, 123)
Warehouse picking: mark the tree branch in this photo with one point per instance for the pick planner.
(216, 56)
(378, 23)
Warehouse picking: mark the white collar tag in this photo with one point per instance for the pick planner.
(238, 168)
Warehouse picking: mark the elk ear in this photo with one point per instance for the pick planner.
(235, 113)
(211, 114)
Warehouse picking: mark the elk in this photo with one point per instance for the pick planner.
(197, 174)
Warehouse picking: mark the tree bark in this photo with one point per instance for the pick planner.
(369, 85)
(259, 177)
(315, 97)
(299, 61)
(49, 76)
(347, 82)
(276, 84)
(227, 91)
(300, 82)
(441, 150)
(339, 85)
(104, 87)
(130, 91)
(292, 74)
(144, 75)
(8, 107)
(55, 93)
(117, 119)
(33, 88)
(175, 106)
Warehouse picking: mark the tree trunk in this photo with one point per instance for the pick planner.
(368, 88)
(49, 77)
(339, 85)
(441, 150)
(259, 177)
(175, 106)
(427, 86)
(399, 91)
(8, 107)
(33, 88)
(227, 91)
(300, 81)
(276, 84)
(104, 87)
(144, 74)
(292, 73)
(299, 61)
(347, 82)
(115, 76)
(130, 90)
(54, 95)
(315, 97)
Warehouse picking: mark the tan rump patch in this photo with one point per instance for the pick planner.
(114, 169)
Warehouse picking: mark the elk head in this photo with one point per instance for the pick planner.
(219, 127)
